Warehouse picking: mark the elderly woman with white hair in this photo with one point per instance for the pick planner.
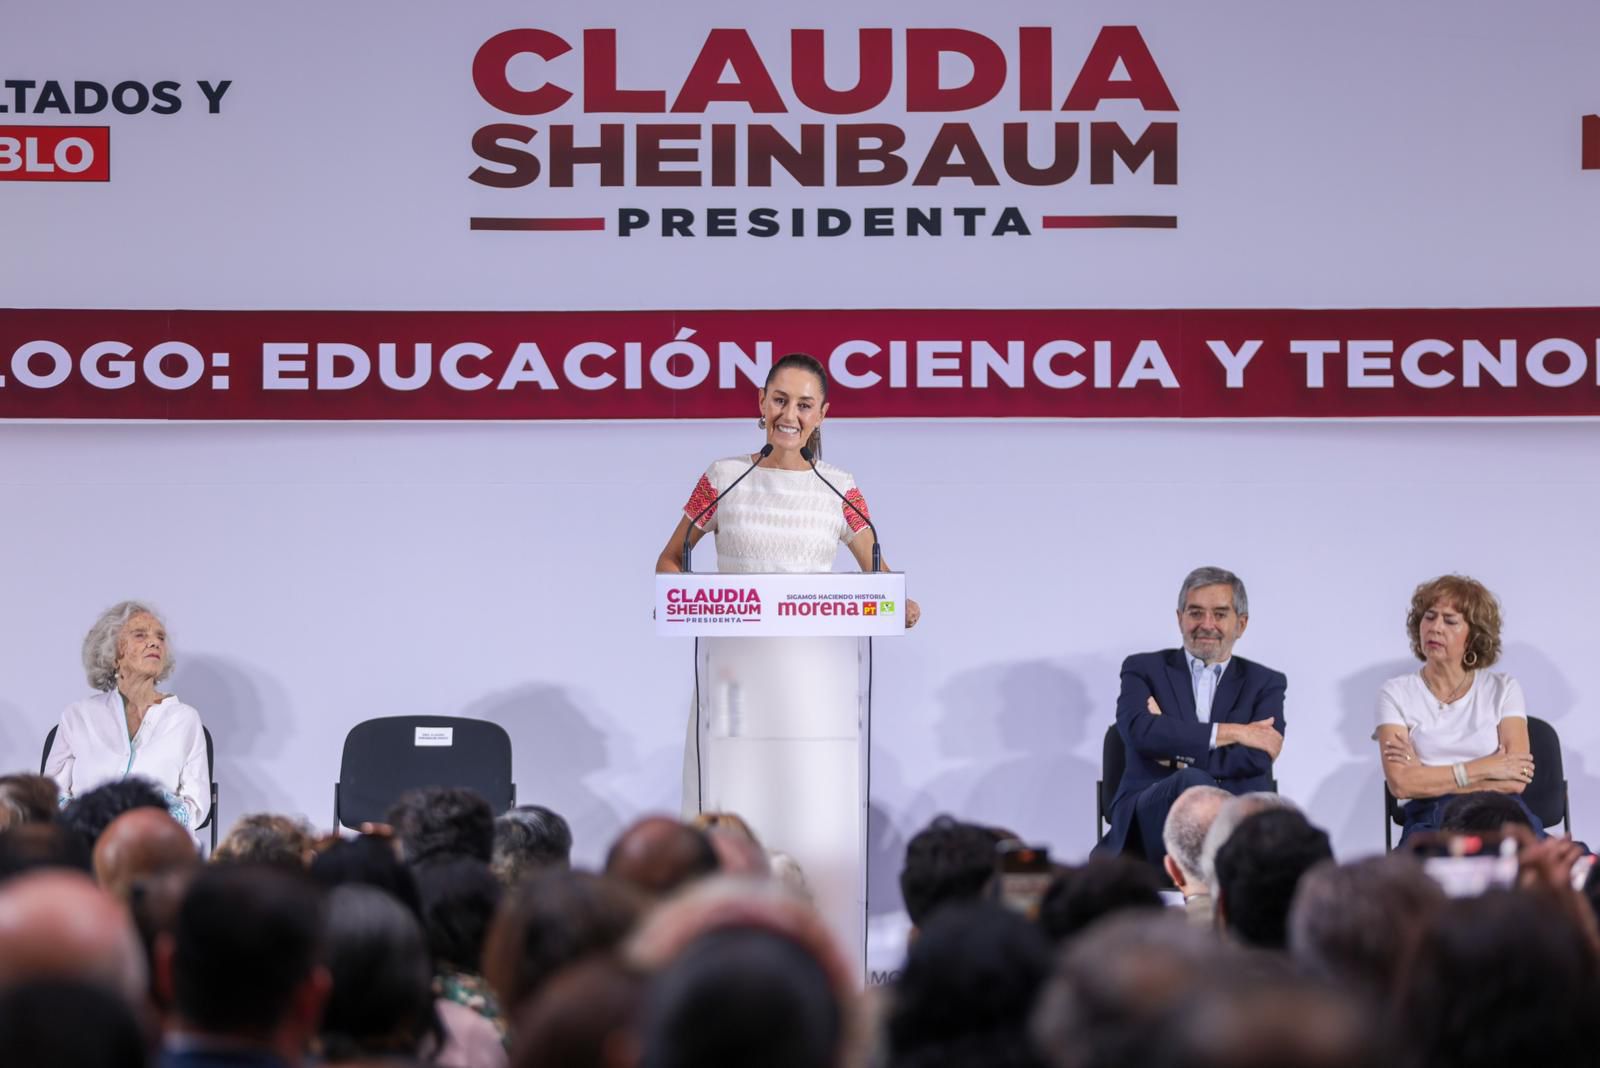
(129, 728)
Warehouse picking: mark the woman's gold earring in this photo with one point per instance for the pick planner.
(1471, 659)
(762, 422)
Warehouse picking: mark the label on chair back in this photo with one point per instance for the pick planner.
(436, 736)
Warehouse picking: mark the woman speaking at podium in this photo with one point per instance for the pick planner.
(775, 734)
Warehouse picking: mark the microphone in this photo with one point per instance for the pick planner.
(766, 451)
(877, 550)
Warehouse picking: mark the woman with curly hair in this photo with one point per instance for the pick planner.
(1453, 726)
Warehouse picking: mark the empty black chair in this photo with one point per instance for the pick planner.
(1546, 796)
(211, 773)
(383, 758)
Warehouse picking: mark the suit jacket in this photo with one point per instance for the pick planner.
(1247, 692)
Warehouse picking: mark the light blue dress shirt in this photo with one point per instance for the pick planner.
(1206, 678)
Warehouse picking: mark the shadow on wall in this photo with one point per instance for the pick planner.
(21, 753)
(1551, 698)
(1011, 730)
(233, 700)
(554, 748)
(1348, 802)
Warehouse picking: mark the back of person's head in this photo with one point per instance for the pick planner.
(381, 999)
(244, 946)
(587, 1016)
(26, 798)
(1188, 821)
(1114, 982)
(1079, 896)
(369, 860)
(43, 845)
(64, 1024)
(658, 855)
(138, 844)
(265, 838)
(458, 902)
(1499, 979)
(1233, 812)
(743, 998)
(57, 924)
(91, 813)
(1481, 811)
(153, 904)
(552, 920)
(527, 839)
(1355, 923)
(968, 986)
(946, 861)
(1258, 868)
(1289, 1022)
(440, 822)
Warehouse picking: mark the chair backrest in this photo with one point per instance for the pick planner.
(383, 758)
(49, 740)
(1113, 762)
(1546, 795)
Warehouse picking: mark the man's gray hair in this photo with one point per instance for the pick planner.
(1229, 816)
(1215, 576)
(1188, 821)
(100, 644)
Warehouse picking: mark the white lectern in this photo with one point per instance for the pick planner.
(783, 679)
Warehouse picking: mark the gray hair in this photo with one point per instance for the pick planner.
(1215, 576)
(529, 839)
(100, 644)
(1188, 821)
(1229, 816)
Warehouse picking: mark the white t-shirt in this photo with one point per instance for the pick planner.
(91, 747)
(1466, 729)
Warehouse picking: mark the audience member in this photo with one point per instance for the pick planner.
(1184, 836)
(967, 989)
(739, 851)
(947, 861)
(657, 855)
(1233, 812)
(242, 969)
(1482, 811)
(264, 838)
(587, 1016)
(441, 823)
(552, 920)
(1258, 868)
(743, 997)
(140, 843)
(1496, 980)
(153, 903)
(59, 925)
(91, 813)
(1355, 923)
(1079, 896)
(369, 860)
(27, 799)
(1285, 1023)
(61, 1024)
(529, 839)
(458, 905)
(379, 1004)
(42, 845)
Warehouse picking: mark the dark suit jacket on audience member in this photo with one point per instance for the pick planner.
(1247, 692)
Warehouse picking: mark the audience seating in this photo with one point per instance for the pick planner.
(385, 757)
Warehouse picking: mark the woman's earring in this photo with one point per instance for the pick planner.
(762, 422)
(1471, 659)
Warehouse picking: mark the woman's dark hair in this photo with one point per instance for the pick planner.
(804, 362)
(368, 861)
(552, 920)
(742, 996)
(382, 996)
(458, 902)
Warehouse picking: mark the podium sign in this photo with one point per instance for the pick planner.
(836, 604)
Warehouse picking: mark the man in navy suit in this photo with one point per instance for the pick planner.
(1196, 716)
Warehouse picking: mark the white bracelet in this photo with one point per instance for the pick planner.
(1460, 771)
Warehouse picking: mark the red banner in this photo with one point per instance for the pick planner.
(1122, 364)
(55, 153)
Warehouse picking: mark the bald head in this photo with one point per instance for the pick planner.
(140, 843)
(59, 925)
(658, 855)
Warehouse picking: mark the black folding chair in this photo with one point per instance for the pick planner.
(1113, 762)
(383, 758)
(1546, 796)
(211, 774)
